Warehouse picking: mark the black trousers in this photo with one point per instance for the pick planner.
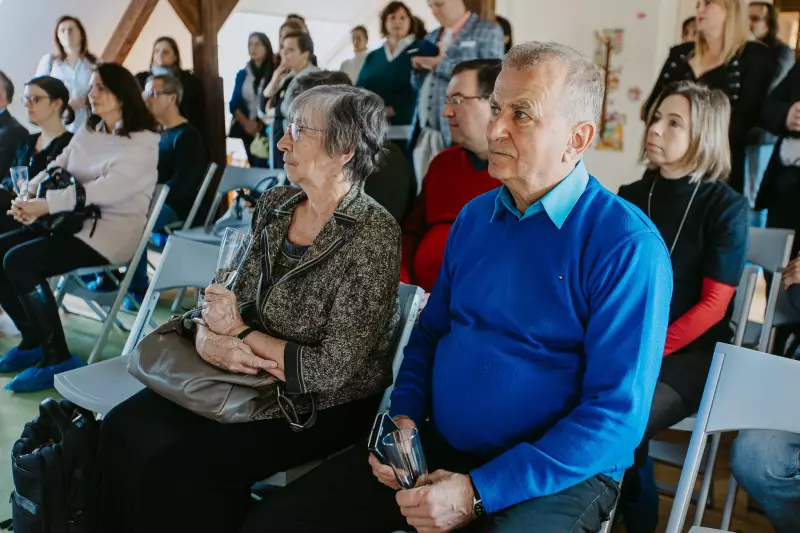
(29, 259)
(343, 496)
(166, 469)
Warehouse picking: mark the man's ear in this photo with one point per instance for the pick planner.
(580, 140)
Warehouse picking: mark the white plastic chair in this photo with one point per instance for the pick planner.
(410, 298)
(106, 305)
(102, 386)
(675, 454)
(734, 401)
(198, 200)
(770, 248)
(232, 179)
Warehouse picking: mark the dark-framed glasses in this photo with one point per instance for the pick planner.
(34, 99)
(294, 130)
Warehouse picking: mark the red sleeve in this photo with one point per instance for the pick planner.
(714, 300)
(414, 229)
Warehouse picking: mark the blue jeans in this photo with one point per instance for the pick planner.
(767, 465)
(139, 283)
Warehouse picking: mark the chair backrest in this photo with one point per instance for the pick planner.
(234, 178)
(743, 301)
(201, 193)
(745, 389)
(785, 313)
(409, 298)
(770, 248)
(184, 263)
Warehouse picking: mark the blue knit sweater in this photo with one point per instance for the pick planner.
(541, 343)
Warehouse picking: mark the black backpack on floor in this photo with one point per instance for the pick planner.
(53, 466)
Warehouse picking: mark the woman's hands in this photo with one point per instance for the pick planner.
(27, 211)
(229, 353)
(221, 311)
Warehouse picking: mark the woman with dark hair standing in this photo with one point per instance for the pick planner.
(114, 157)
(166, 60)
(250, 83)
(387, 70)
(297, 51)
(47, 102)
(72, 63)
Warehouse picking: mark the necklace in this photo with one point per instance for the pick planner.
(685, 214)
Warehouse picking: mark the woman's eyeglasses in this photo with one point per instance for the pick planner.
(294, 130)
(33, 100)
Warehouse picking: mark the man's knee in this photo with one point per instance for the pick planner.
(759, 459)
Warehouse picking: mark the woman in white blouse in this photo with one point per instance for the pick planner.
(72, 63)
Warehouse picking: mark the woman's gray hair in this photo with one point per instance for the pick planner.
(353, 119)
(584, 84)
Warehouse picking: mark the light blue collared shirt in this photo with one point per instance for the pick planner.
(558, 203)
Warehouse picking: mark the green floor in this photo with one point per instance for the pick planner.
(17, 409)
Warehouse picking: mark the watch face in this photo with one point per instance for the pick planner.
(478, 509)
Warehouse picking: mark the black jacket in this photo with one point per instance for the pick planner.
(745, 80)
(783, 59)
(773, 119)
(12, 134)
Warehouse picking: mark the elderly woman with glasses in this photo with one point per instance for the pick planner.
(326, 257)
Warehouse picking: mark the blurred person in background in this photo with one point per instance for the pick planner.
(352, 66)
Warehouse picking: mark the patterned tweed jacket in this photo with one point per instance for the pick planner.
(337, 307)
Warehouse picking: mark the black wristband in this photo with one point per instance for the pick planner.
(241, 336)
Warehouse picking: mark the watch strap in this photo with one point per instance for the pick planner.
(241, 336)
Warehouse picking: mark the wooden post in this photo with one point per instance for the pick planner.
(206, 67)
(203, 19)
(128, 30)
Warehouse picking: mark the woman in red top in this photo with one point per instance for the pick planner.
(704, 223)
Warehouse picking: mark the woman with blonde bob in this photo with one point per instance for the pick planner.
(724, 57)
(704, 224)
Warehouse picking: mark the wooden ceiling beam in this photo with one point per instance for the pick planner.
(128, 30)
(224, 10)
(189, 13)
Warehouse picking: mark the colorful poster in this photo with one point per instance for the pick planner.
(611, 131)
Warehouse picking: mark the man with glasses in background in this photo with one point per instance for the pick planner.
(456, 176)
(181, 162)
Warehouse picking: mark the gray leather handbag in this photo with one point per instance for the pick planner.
(167, 362)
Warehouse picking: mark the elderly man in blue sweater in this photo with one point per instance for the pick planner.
(531, 372)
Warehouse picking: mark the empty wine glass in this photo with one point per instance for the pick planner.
(231, 254)
(403, 450)
(20, 181)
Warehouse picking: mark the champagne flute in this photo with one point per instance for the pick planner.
(20, 181)
(231, 254)
(403, 449)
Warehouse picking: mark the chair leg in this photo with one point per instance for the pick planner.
(730, 503)
(108, 323)
(176, 303)
(708, 478)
